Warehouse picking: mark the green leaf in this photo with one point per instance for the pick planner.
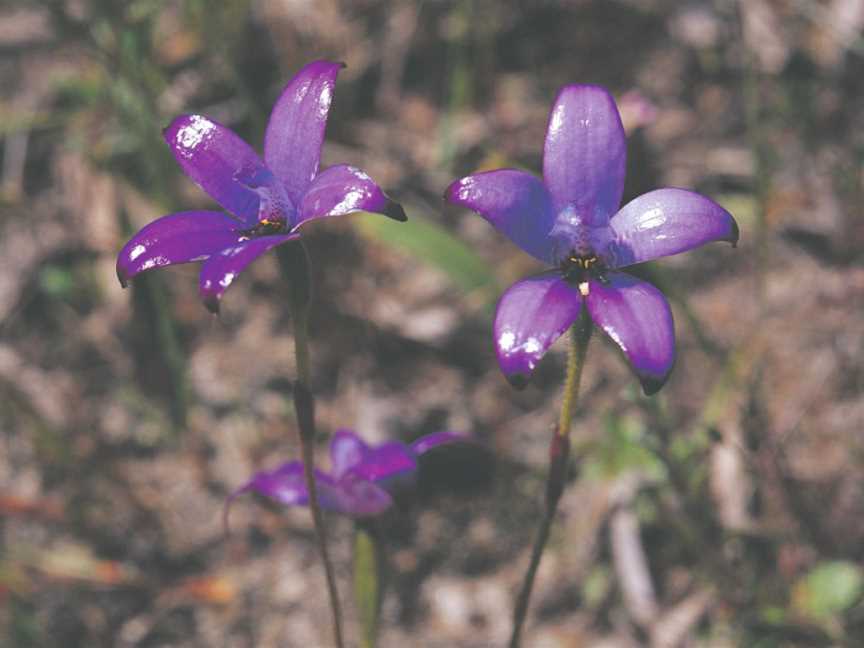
(431, 244)
(828, 589)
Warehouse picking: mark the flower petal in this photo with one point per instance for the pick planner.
(220, 270)
(384, 462)
(287, 485)
(432, 441)
(219, 162)
(531, 315)
(516, 203)
(295, 132)
(664, 222)
(361, 498)
(342, 189)
(346, 451)
(585, 155)
(637, 317)
(176, 238)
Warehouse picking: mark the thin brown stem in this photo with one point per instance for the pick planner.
(559, 458)
(294, 265)
(521, 609)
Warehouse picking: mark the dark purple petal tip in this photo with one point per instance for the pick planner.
(394, 210)
(518, 381)
(343, 189)
(211, 303)
(651, 386)
(733, 237)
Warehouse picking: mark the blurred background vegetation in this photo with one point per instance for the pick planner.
(727, 511)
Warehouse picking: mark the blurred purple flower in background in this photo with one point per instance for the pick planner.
(267, 201)
(362, 479)
(571, 220)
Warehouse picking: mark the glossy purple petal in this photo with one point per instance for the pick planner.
(218, 161)
(432, 441)
(637, 317)
(664, 222)
(220, 270)
(516, 203)
(346, 451)
(342, 189)
(384, 462)
(531, 315)
(177, 238)
(295, 132)
(585, 155)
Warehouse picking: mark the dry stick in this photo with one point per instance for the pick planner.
(559, 456)
(294, 265)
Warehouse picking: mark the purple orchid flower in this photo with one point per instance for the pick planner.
(570, 220)
(267, 201)
(362, 480)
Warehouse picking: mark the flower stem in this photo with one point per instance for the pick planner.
(559, 457)
(294, 265)
(368, 581)
(580, 334)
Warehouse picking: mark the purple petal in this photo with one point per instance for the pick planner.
(531, 315)
(342, 189)
(664, 222)
(431, 441)
(177, 238)
(219, 162)
(637, 317)
(361, 498)
(346, 451)
(220, 270)
(384, 462)
(516, 203)
(295, 132)
(287, 485)
(585, 154)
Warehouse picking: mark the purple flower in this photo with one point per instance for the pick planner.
(267, 201)
(362, 479)
(571, 221)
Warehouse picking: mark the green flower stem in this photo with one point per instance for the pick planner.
(559, 457)
(369, 564)
(580, 334)
(294, 265)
